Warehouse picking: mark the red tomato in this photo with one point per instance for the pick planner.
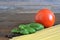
(45, 17)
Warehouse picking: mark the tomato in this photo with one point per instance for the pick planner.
(45, 17)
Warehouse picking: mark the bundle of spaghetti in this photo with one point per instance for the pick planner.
(52, 33)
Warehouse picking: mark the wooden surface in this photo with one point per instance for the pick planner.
(11, 20)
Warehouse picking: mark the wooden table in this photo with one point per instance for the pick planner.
(11, 20)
